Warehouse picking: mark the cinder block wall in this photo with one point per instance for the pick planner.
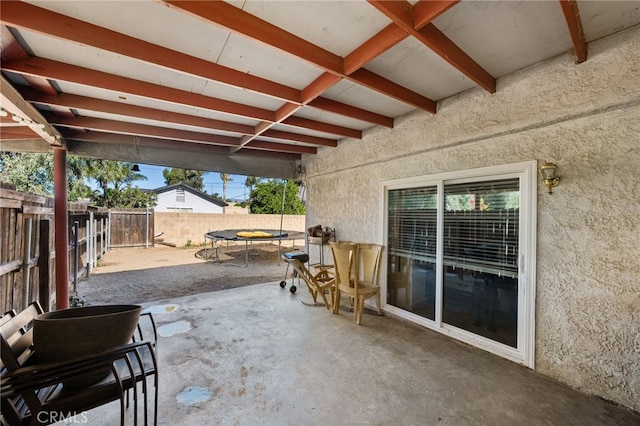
(178, 228)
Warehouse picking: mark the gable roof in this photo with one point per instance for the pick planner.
(180, 185)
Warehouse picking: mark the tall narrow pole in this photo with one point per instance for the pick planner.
(284, 193)
(61, 227)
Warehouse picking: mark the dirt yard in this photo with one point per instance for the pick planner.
(139, 275)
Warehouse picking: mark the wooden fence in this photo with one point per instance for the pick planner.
(131, 228)
(27, 246)
(88, 239)
(26, 249)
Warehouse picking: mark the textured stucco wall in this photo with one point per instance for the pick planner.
(584, 117)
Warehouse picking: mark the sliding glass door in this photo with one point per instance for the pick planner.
(480, 265)
(461, 253)
(411, 278)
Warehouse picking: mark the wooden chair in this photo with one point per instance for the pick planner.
(319, 283)
(356, 274)
(34, 393)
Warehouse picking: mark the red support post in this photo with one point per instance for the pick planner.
(61, 227)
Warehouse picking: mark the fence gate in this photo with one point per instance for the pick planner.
(131, 228)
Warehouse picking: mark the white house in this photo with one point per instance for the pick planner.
(181, 197)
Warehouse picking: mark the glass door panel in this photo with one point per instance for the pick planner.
(411, 263)
(480, 262)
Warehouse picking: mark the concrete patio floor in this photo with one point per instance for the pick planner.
(260, 355)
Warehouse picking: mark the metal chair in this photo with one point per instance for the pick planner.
(34, 393)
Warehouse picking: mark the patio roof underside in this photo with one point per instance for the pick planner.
(249, 87)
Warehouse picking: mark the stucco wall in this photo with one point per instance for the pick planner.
(585, 118)
(178, 228)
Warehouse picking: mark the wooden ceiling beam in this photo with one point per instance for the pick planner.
(319, 126)
(104, 137)
(426, 11)
(329, 105)
(435, 40)
(574, 22)
(309, 93)
(110, 107)
(237, 20)
(240, 22)
(283, 112)
(156, 143)
(313, 140)
(13, 103)
(59, 71)
(374, 47)
(12, 50)
(117, 108)
(78, 75)
(17, 132)
(121, 127)
(318, 86)
(33, 18)
(399, 11)
(281, 147)
(402, 14)
(373, 81)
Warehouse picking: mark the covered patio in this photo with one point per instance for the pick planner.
(366, 102)
(258, 354)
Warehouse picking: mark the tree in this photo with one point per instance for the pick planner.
(266, 198)
(77, 187)
(225, 178)
(250, 182)
(114, 177)
(131, 198)
(193, 178)
(33, 173)
(29, 172)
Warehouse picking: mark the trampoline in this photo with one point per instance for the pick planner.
(249, 235)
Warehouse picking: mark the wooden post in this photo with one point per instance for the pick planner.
(26, 261)
(88, 244)
(94, 229)
(61, 227)
(102, 237)
(109, 231)
(44, 290)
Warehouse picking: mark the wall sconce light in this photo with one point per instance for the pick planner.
(548, 175)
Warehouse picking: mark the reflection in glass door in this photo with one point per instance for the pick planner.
(461, 255)
(479, 269)
(411, 263)
(480, 262)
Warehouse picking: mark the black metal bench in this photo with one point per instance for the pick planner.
(34, 393)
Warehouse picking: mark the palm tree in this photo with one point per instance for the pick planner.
(225, 177)
(250, 183)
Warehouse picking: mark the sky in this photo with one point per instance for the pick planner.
(236, 188)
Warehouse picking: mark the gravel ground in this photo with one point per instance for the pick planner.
(139, 275)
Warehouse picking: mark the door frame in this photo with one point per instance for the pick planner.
(524, 353)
